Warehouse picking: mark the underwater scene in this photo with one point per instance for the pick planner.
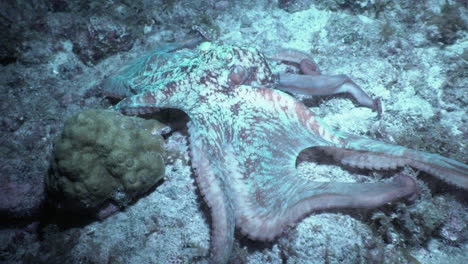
(288, 132)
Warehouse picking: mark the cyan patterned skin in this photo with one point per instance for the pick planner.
(245, 136)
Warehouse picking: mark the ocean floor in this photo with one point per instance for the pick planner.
(403, 53)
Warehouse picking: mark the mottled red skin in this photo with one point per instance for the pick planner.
(245, 137)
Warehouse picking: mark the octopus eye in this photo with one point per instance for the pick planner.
(238, 75)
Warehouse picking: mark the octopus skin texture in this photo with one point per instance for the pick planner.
(245, 135)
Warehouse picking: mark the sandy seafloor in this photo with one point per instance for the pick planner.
(424, 98)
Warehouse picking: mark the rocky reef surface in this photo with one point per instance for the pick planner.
(55, 54)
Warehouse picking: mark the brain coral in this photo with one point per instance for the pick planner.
(103, 157)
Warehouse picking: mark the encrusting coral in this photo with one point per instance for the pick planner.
(103, 157)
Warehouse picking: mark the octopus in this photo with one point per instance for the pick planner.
(246, 130)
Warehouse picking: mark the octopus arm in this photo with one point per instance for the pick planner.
(326, 85)
(372, 154)
(268, 192)
(217, 195)
(141, 103)
(304, 60)
(271, 195)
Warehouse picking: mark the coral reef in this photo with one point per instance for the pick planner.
(102, 157)
(101, 37)
(448, 25)
(397, 51)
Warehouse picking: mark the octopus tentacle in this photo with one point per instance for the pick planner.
(245, 139)
(313, 83)
(327, 85)
(304, 60)
(367, 153)
(264, 203)
(140, 104)
(216, 194)
(264, 213)
(309, 67)
(312, 196)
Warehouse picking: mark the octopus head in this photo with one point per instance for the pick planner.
(242, 65)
